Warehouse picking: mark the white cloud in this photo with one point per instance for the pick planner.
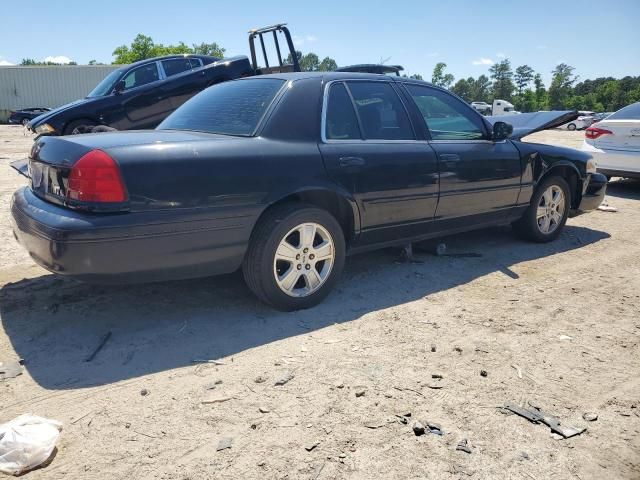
(300, 41)
(501, 55)
(61, 59)
(483, 61)
(4, 63)
(432, 54)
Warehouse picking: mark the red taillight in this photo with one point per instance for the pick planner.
(96, 178)
(595, 132)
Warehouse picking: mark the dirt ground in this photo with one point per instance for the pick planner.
(556, 325)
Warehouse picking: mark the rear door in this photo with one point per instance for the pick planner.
(145, 99)
(370, 148)
(479, 178)
(182, 83)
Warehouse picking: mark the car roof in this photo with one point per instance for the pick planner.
(168, 57)
(331, 76)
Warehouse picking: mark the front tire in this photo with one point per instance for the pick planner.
(24, 122)
(84, 125)
(547, 214)
(295, 256)
(571, 127)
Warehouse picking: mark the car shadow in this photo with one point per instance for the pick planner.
(624, 188)
(55, 324)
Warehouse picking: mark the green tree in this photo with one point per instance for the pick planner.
(502, 77)
(327, 64)
(542, 101)
(439, 78)
(523, 77)
(210, 49)
(311, 62)
(560, 90)
(463, 88)
(416, 76)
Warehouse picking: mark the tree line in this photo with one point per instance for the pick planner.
(523, 87)
(528, 93)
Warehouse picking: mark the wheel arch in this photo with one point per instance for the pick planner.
(571, 174)
(66, 123)
(340, 205)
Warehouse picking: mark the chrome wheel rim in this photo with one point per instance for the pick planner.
(304, 259)
(550, 209)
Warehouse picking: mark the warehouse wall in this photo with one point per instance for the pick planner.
(47, 86)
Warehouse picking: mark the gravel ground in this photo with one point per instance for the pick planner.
(553, 325)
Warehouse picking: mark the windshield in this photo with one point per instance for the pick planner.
(230, 108)
(630, 112)
(106, 85)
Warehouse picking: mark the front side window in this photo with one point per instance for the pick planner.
(381, 113)
(229, 108)
(141, 76)
(175, 66)
(341, 121)
(446, 117)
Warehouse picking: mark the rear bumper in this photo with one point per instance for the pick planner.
(129, 247)
(615, 163)
(593, 194)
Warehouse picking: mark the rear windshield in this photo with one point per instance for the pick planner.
(630, 112)
(230, 108)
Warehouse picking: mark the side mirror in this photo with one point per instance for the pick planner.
(119, 87)
(501, 131)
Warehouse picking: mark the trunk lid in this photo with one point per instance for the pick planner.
(626, 135)
(52, 158)
(527, 123)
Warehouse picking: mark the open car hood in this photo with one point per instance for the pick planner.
(527, 123)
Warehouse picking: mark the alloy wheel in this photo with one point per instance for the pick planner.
(550, 209)
(304, 259)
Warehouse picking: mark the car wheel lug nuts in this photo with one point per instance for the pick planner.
(307, 266)
(299, 267)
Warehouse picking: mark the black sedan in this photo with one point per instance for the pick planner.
(23, 116)
(283, 175)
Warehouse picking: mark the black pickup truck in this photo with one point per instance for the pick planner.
(141, 95)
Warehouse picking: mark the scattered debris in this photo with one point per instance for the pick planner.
(524, 455)
(27, 442)
(224, 443)
(435, 428)
(463, 446)
(10, 369)
(375, 425)
(144, 392)
(457, 349)
(311, 446)
(102, 343)
(210, 386)
(518, 370)
(565, 337)
(537, 416)
(216, 400)
(340, 385)
(260, 379)
(433, 348)
(590, 416)
(202, 360)
(418, 428)
(437, 376)
(484, 373)
(285, 379)
(263, 410)
(605, 207)
(360, 392)
(436, 382)
(406, 255)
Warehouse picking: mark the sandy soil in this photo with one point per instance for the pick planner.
(565, 315)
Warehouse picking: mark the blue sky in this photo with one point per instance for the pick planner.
(599, 38)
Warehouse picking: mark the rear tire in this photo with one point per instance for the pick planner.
(83, 125)
(24, 122)
(571, 127)
(547, 213)
(295, 256)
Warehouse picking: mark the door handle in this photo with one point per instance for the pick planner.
(351, 161)
(450, 157)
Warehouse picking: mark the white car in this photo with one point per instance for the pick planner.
(583, 121)
(482, 107)
(615, 143)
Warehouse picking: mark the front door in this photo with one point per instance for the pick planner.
(479, 178)
(370, 148)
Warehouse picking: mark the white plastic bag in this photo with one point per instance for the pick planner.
(26, 442)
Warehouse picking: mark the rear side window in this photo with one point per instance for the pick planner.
(630, 112)
(195, 62)
(229, 108)
(176, 65)
(447, 118)
(141, 76)
(341, 120)
(382, 115)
